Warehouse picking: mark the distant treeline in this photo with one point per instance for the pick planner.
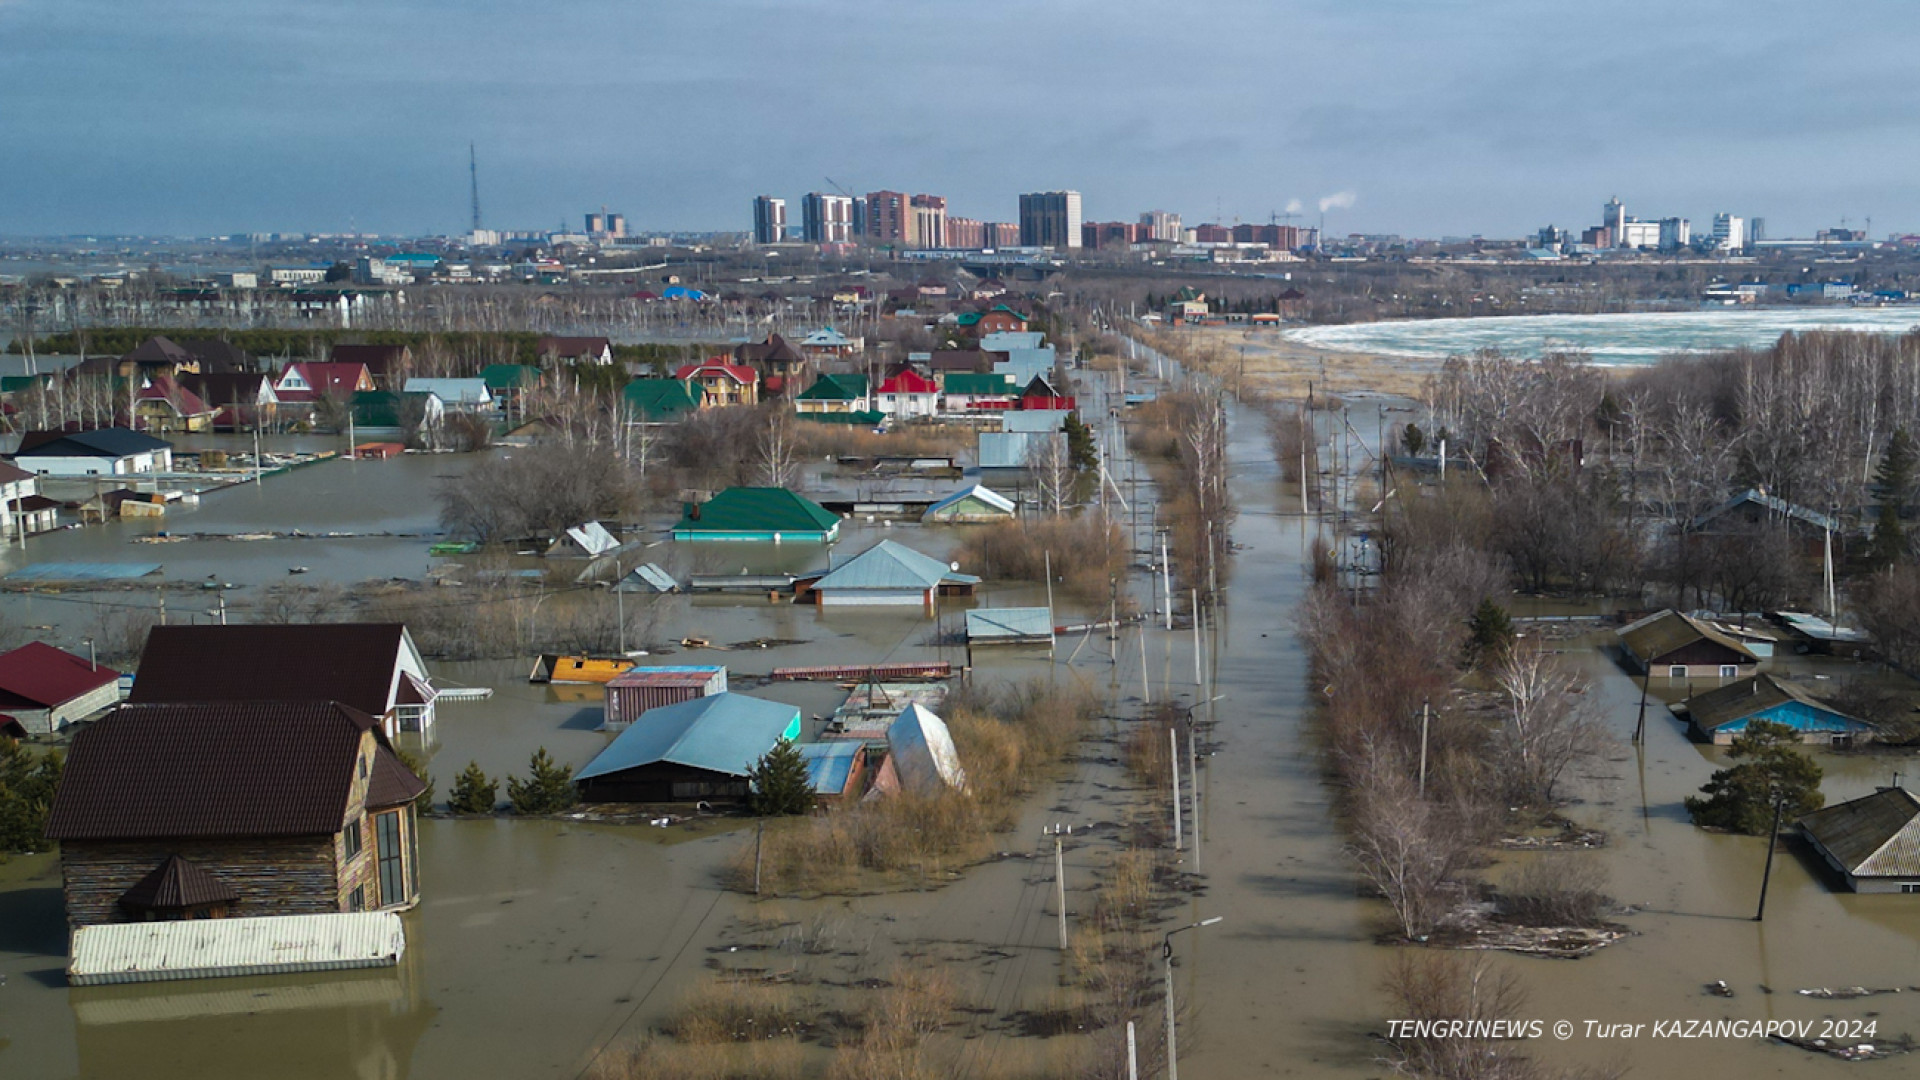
(496, 347)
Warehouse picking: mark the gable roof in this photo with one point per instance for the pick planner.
(890, 566)
(774, 350)
(979, 383)
(1774, 503)
(177, 883)
(1874, 836)
(757, 509)
(956, 360)
(1665, 631)
(1040, 388)
(979, 492)
(159, 350)
(909, 382)
(573, 348)
(352, 663)
(113, 442)
(229, 387)
(836, 386)
(218, 356)
(739, 373)
(510, 376)
(378, 359)
(224, 769)
(654, 398)
(452, 391)
(38, 676)
(826, 338)
(163, 389)
(13, 474)
(723, 733)
(1739, 700)
(921, 751)
(830, 764)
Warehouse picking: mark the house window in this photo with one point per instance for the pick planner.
(363, 766)
(1677, 671)
(390, 850)
(358, 901)
(353, 839)
(1910, 886)
(1729, 671)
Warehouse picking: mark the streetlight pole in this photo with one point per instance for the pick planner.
(1166, 956)
(1773, 836)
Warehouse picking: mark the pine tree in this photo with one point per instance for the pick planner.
(1081, 450)
(1769, 765)
(780, 783)
(1414, 439)
(1895, 479)
(473, 792)
(1490, 633)
(424, 801)
(547, 789)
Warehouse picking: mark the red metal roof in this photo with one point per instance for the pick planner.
(224, 769)
(909, 382)
(740, 373)
(38, 676)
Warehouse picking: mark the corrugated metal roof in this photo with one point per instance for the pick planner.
(38, 675)
(1663, 632)
(725, 733)
(593, 538)
(1005, 449)
(1003, 340)
(1874, 836)
(1034, 420)
(1010, 623)
(353, 663)
(1738, 701)
(829, 764)
(888, 566)
(210, 948)
(921, 750)
(1773, 503)
(655, 578)
(986, 496)
(757, 509)
(178, 883)
(694, 675)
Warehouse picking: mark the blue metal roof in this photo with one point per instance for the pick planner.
(1005, 449)
(890, 566)
(1041, 420)
(1009, 623)
(725, 733)
(829, 764)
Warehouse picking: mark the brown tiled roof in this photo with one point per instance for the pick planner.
(13, 474)
(1661, 633)
(775, 349)
(961, 360)
(1875, 836)
(159, 350)
(352, 663)
(379, 359)
(392, 783)
(218, 356)
(570, 348)
(177, 883)
(226, 769)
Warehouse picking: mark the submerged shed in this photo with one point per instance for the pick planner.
(921, 755)
(632, 693)
(699, 749)
(212, 948)
(1873, 842)
(1010, 626)
(977, 503)
(837, 770)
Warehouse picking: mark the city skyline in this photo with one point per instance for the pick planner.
(1493, 118)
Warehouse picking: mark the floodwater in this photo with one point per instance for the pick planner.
(538, 943)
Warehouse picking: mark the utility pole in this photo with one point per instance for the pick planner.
(1166, 579)
(1199, 685)
(1173, 762)
(1060, 886)
(1773, 840)
(1425, 709)
(1166, 957)
(1193, 782)
(1640, 726)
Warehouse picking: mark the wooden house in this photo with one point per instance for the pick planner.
(157, 356)
(163, 404)
(1040, 394)
(1873, 842)
(703, 749)
(768, 514)
(372, 667)
(44, 689)
(1668, 644)
(720, 384)
(236, 808)
(1719, 715)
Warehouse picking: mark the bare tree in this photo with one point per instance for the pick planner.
(1547, 727)
(1051, 467)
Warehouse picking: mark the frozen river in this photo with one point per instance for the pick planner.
(1609, 339)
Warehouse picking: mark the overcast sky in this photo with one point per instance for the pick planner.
(1428, 117)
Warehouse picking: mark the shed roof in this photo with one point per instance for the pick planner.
(111, 442)
(1011, 623)
(353, 663)
(38, 676)
(921, 751)
(1874, 836)
(1737, 701)
(1662, 632)
(225, 769)
(830, 764)
(757, 509)
(889, 566)
(201, 948)
(724, 733)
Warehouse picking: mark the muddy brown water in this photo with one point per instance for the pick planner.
(538, 942)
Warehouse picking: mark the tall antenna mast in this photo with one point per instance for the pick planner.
(473, 174)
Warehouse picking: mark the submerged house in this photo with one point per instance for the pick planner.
(97, 452)
(1872, 842)
(758, 513)
(837, 770)
(887, 574)
(236, 808)
(631, 693)
(1719, 715)
(921, 759)
(1671, 645)
(44, 689)
(373, 667)
(699, 749)
(976, 504)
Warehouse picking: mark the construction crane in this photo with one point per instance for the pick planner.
(839, 187)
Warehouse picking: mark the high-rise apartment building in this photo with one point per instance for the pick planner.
(1161, 225)
(1000, 234)
(596, 224)
(966, 233)
(1613, 218)
(929, 222)
(826, 219)
(1675, 233)
(889, 218)
(617, 226)
(769, 220)
(1729, 232)
(1050, 219)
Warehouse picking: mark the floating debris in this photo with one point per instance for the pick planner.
(1719, 988)
(1848, 993)
(1866, 1051)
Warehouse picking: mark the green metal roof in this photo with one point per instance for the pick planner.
(970, 382)
(654, 398)
(757, 510)
(842, 386)
(510, 376)
(724, 733)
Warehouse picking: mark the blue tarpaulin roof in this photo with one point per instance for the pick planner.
(84, 571)
(725, 733)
